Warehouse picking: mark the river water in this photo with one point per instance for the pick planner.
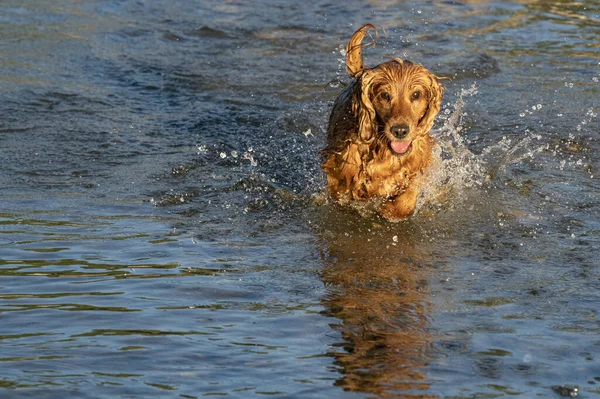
(163, 231)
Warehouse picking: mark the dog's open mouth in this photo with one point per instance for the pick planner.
(401, 147)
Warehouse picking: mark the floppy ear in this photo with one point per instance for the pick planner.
(354, 61)
(435, 91)
(363, 108)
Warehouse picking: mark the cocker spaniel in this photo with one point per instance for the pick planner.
(378, 142)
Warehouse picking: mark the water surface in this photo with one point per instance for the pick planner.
(163, 233)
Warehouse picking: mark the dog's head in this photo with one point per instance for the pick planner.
(397, 100)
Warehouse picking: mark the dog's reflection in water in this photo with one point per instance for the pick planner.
(377, 288)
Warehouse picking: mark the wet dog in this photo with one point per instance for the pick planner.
(378, 141)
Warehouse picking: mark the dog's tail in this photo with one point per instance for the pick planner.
(354, 60)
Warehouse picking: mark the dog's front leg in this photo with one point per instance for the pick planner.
(402, 206)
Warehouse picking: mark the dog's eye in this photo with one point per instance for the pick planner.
(416, 95)
(385, 96)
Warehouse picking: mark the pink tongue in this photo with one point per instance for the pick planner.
(400, 147)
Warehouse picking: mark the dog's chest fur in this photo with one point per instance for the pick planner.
(379, 173)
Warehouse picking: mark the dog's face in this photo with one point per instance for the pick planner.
(405, 98)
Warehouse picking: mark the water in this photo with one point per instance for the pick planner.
(163, 232)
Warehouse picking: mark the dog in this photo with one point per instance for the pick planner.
(378, 141)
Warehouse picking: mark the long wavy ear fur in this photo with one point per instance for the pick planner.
(364, 109)
(362, 106)
(435, 92)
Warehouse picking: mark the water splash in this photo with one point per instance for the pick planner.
(248, 156)
(457, 170)
(288, 168)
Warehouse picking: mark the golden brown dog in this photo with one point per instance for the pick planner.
(378, 141)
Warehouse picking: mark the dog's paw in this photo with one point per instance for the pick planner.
(394, 213)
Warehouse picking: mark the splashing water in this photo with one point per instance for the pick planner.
(455, 173)
(457, 170)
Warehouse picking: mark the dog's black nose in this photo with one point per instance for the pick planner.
(400, 131)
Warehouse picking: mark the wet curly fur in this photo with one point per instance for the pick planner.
(378, 141)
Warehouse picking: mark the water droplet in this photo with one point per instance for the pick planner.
(223, 155)
(202, 149)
